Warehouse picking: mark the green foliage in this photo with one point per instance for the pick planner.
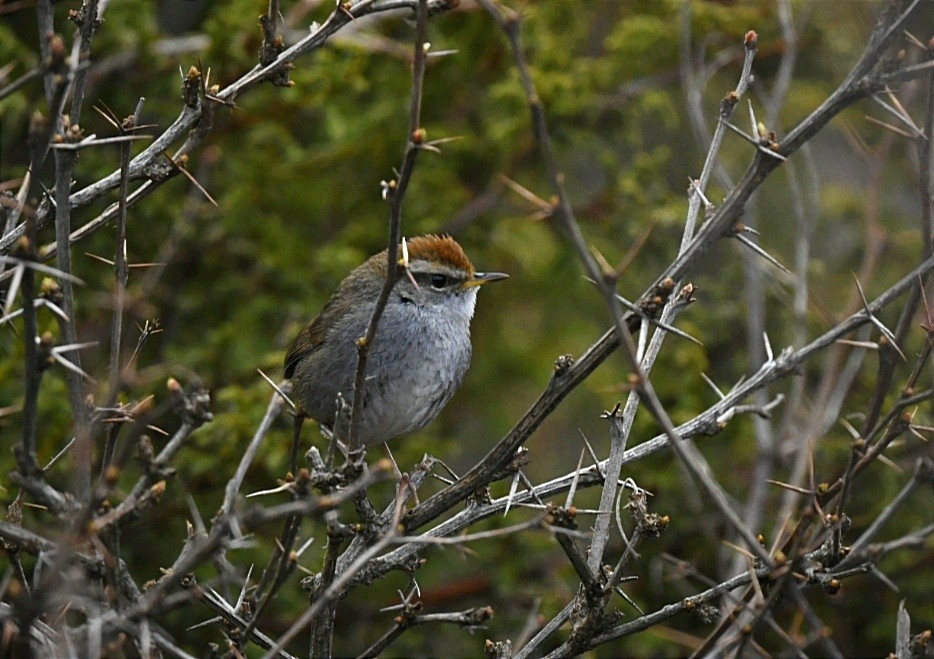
(296, 173)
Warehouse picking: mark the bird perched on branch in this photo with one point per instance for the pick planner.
(419, 355)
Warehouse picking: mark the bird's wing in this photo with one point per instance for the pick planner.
(310, 337)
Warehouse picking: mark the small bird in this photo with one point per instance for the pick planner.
(421, 350)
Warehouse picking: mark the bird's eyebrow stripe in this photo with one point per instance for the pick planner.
(427, 274)
(424, 268)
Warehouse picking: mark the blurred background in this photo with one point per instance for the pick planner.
(296, 174)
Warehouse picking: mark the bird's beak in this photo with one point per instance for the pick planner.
(481, 278)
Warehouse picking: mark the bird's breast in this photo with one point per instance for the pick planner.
(415, 366)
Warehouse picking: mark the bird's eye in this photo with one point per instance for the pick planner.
(439, 281)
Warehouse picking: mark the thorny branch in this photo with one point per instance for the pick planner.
(365, 550)
(568, 376)
(395, 194)
(144, 165)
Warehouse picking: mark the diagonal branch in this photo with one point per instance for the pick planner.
(855, 87)
(141, 166)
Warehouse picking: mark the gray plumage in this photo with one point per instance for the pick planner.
(421, 351)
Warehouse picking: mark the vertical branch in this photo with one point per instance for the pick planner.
(58, 78)
(87, 19)
(45, 19)
(121, 269)
(763, 431)
(395, 193)
(322, 631)
(887, 352)
(754, 298)
(41, 133)
(64, 166)
(333, 592)
(26, 451)
(926, 156)
(696, 195)
(273, 45)
(121, 275)
(727, 107)
(510, 22)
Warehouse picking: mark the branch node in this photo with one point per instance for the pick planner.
(563, 364)
(192, 87)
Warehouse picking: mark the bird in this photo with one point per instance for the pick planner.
(419, 355)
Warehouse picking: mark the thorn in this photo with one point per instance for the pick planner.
(924, 299)
(528, 485)
(657, 323)
(577, 472)
(619, 591)
(528, 195)
(210, 621)
(877, 573)
(109, 115)
(512, 492)
(635, 249)
(752, 118)
(404, 264)
(856, 139)
(695, 185)
(894, 129)
(768, 346)
(14, 287)
(305, 546)
(73, 346)
(761, 252)
(643, 339)
(442, 53)
(191, 178)
(915, 41)
(854, 433)
(39, 267)
(607, 271)
(100, 258)
(405, 254)
(243, 590)
(868, 345)
(898, 111)
(740, 132)
(593, 456)
(342, 7)
(72, 367)
(58, 455)
(886, 332)
(738, 549)
(712, 385)
(771, 152)
(443, 140)
(279, 391)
